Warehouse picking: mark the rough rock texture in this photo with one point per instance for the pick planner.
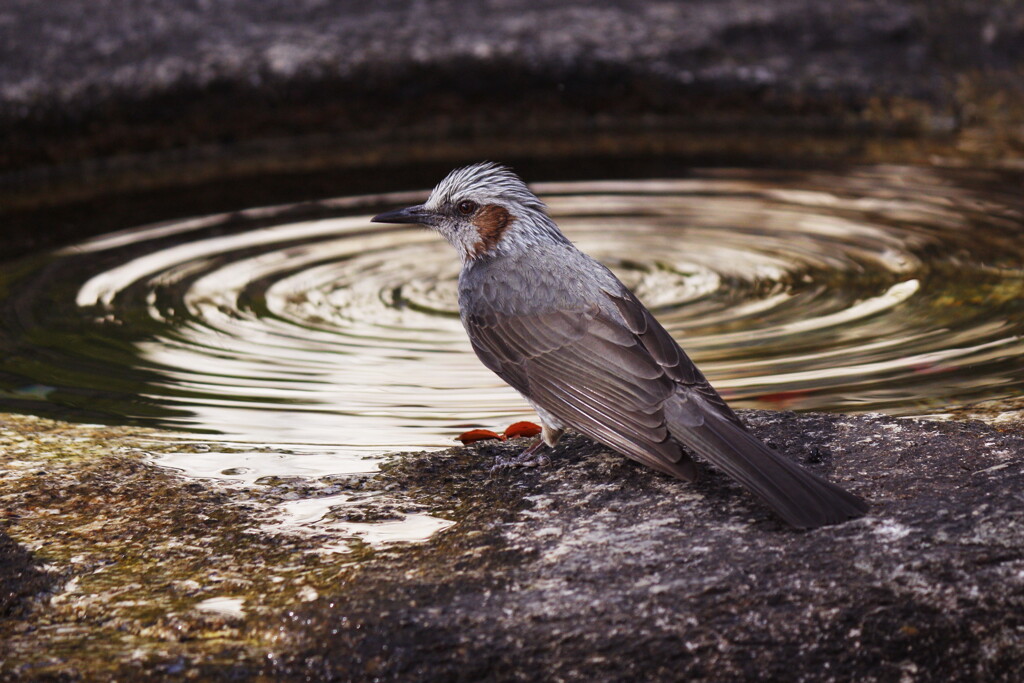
(592, 568)
(21, 578)
(112, 567)
(598, 569)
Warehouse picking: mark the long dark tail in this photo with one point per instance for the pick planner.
(801, 498)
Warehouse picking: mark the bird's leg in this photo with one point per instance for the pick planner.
(528, 458)
(533, 456)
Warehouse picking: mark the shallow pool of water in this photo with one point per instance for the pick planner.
(307, 328)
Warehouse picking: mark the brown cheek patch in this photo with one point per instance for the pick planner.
(491, 222)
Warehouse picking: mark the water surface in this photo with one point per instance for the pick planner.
(308, 329)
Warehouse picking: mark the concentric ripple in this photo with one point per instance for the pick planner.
(884, 289)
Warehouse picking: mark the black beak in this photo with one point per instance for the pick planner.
(412, 214)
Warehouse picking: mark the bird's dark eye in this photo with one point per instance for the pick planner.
(466, 207)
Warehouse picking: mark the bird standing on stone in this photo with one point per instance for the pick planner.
(562, 330)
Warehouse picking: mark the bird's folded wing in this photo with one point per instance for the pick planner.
(622, 380)
(664, 349)
(590, 371)
(699, 419)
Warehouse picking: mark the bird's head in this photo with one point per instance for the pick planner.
(483, 210)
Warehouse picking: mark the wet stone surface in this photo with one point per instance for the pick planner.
(592, 568)
(111, 566)
(596, 569)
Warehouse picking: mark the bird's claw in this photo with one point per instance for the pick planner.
(531, 457)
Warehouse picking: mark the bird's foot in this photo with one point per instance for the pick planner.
(531, 457)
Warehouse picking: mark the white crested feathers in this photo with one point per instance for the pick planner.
(489, 184)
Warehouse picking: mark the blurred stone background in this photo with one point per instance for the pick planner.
(112, 95)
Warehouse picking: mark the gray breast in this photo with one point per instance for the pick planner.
(555, 277)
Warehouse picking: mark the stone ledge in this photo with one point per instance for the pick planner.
(598, 569)
(593, 568)
(81, 82)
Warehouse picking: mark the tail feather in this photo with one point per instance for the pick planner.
(803, 499)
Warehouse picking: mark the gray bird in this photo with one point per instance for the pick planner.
(562, 330)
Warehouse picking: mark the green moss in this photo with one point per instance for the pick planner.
(136, 550)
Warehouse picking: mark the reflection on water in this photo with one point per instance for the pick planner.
(883, 289)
